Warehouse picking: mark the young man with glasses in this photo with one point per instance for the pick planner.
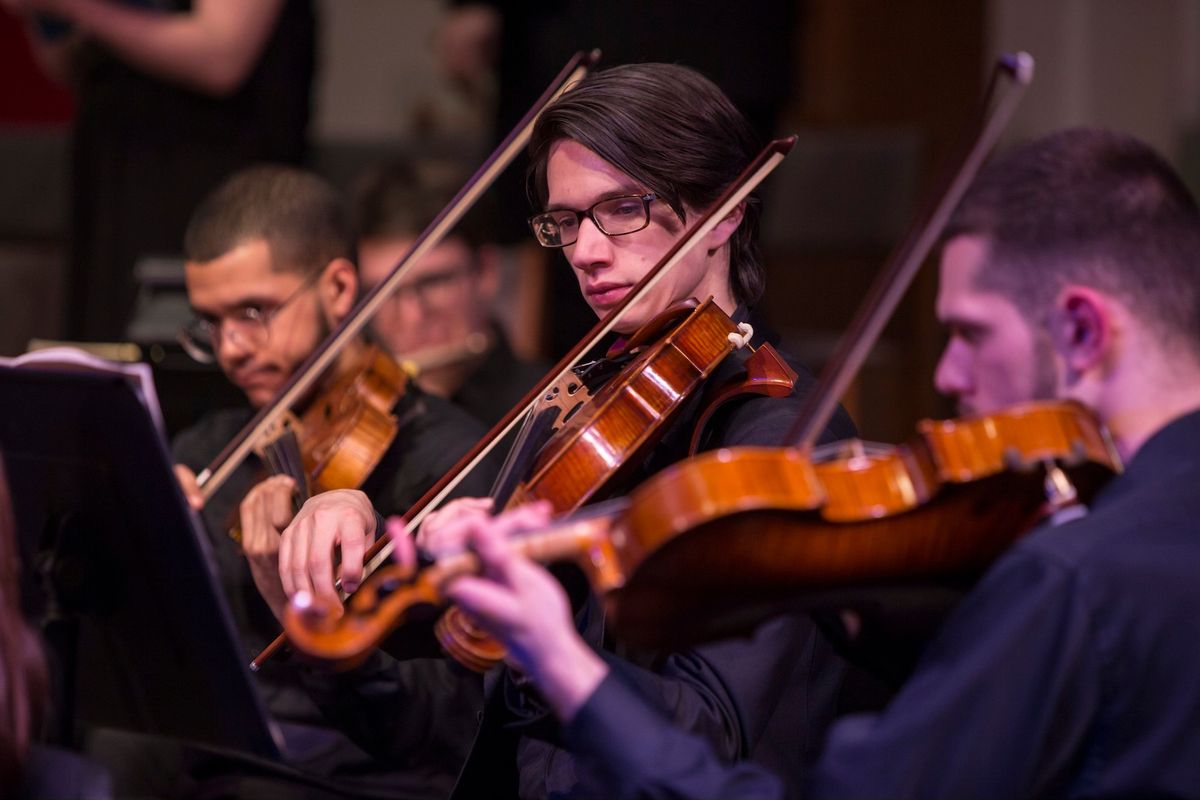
(621, 164)
(270, 272)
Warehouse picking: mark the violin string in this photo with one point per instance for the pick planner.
(294, 463)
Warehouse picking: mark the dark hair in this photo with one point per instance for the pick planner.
(1092, 207)
(301, 217)
(23, 682)
(671, 130)
(391, 199)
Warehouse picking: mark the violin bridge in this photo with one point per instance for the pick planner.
(283, 424)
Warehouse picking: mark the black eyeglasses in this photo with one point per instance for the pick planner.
(435, 290)
(614, 216)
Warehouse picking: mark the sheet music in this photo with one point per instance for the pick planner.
(73, 359)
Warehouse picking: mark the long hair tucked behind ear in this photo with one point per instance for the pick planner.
(671, 130)
(23, 684)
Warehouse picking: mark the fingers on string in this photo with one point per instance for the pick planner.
(404, 550)
(354, 539)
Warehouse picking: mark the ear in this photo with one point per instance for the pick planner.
(338, 286)
(720, 235)
(1082, 328)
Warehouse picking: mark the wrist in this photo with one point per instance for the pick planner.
(568, 677)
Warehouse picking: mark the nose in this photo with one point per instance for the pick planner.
(592, 248)
(232, 344)
(952, 378)
(409, 305)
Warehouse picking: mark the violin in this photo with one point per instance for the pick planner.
(608, 436)
(343, 432)
(473, 345)
(713, 545)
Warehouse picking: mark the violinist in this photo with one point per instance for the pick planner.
(441, 319)
(620, 165)
(1069, 271)
(270, 271)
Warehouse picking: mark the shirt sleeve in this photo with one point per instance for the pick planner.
(998, 705)
(402, 711)
(638, 753)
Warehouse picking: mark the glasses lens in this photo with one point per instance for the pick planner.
(555, 228)
(621, 215)
(439, 289)
(200, 337)
(196, 340)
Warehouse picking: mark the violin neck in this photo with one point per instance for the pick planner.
(283, 456)
(591, 538)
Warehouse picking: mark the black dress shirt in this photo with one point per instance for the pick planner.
(498, 383)
(768, 697)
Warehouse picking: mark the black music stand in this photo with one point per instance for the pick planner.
(152, 646)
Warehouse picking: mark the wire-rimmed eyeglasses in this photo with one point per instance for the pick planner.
(249, 325)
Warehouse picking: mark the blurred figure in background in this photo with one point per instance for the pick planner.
(442, 319)
(27, 770)
(172, 96)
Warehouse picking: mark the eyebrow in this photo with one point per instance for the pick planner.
(962, 323)
(621, 191)
(253, 300)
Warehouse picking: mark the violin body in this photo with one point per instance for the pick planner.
(712, 546)
(629, 414)
(344, 430)
(347, 428)
(723, 538)
(342, 434)
(603, 440)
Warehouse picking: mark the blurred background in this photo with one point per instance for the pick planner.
(877, 92)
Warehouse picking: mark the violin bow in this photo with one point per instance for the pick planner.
(307, 374)
(904, 262)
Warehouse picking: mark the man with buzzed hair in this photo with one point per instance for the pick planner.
(270, 272)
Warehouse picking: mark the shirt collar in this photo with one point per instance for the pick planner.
(1174, 446)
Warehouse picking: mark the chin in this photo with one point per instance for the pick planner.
(633, 319)
(259, 397)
